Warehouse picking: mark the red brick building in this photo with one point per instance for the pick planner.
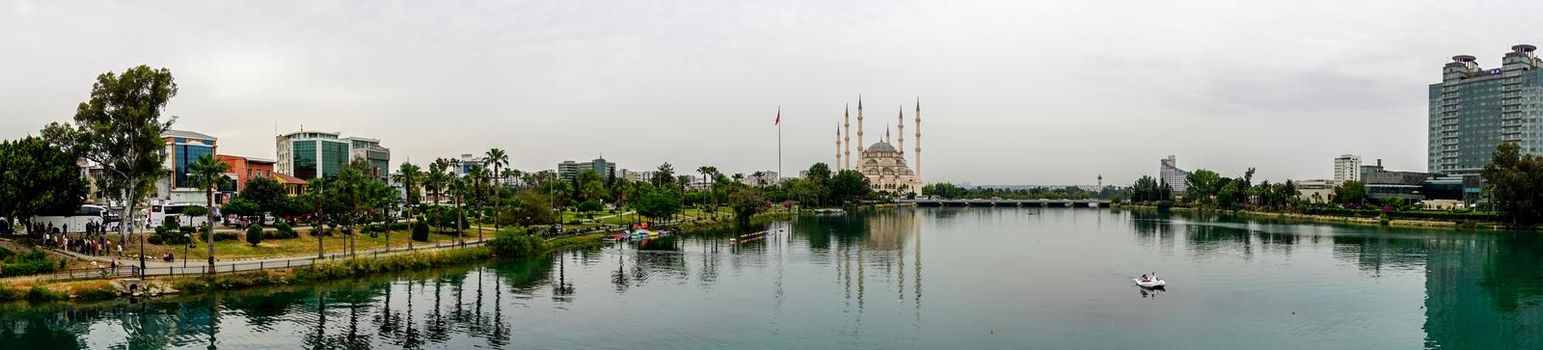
(245, 168)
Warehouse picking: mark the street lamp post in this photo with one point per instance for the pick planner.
(185, 247)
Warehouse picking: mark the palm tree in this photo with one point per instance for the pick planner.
(410, 177)
(316, 189)
(382, 196)
(458, 189)
(474, 182)
(436, 182)
(497, 159)
(208, 173)
(351, 184)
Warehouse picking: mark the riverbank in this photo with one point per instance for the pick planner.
(101, 289)
(1334, 219)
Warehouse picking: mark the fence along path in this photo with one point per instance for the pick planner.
(130, 267)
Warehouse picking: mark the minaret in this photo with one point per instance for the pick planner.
(838, 145)
(900, 145)
(919, 146)
(846, 121)
(860, 144)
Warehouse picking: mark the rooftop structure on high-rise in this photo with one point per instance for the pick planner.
(1472, 110)
(1169, 173)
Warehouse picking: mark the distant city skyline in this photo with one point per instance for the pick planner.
(1016, 92)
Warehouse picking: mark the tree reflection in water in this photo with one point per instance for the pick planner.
(1481, 290)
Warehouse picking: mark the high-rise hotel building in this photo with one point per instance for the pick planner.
(1473, 110)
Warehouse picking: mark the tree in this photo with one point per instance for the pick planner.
(1202, 185)
(1229, 195)
(119, 129)
(591, 206)
(497, 159)
(208, 173)
(240, 207)
(254, 235)
(943, 190)
(590, 185)
(1147, 189)
(848, 186)
(410, 176)
(664, 175)
(1350, 194)
(268, 195)
(1514, 183)
(532, 208)
(436, 181)
(37, 178)
(746, 202)
(661, 203)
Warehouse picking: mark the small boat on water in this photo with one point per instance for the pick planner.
(642, 234)
(1154, 283)
(615, 237)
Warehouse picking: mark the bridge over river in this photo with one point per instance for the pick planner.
(1053, 203)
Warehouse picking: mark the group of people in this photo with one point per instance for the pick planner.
(96, 246)
(92, 227)
(1150, 277)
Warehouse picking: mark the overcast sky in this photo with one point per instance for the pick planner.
(1012, 92)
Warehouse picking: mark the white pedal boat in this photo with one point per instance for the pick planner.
(1151, 284)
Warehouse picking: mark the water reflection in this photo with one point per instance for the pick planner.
(860, 275)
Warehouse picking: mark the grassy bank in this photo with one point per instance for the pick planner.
(335, 270)
(342, 269)
(94, 290)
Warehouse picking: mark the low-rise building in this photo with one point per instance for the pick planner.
(312, 154)
(1315, 190)
(243, 169)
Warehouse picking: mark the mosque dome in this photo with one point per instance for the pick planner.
(881, 146)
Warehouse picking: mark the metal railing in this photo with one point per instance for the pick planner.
(130, 267)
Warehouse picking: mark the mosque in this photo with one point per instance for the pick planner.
(883, 163)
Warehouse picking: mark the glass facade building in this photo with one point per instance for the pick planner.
(1473, 110)
(311, 154)
(184, 153)
(304, 159)
(334, 156)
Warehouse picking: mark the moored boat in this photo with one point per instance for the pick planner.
(1151, 284)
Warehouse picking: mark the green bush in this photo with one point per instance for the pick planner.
(591, 205)
(421, 232)
(30, 262)
(254, 235)
(516, 244)
(227, 236)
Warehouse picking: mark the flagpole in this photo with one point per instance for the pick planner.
(779, 145)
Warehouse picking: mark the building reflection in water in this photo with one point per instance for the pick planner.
(1485, 292)
(1482, 291)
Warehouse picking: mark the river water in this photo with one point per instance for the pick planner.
(929, 278)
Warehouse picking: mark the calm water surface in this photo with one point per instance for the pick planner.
(903, 278)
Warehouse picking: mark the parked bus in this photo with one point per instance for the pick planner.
(159, 213)
(76, 222)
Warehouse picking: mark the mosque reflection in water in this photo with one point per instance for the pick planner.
(471, 306)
